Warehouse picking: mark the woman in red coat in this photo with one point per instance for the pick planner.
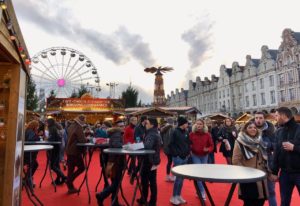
(201, 145)
(128, 136)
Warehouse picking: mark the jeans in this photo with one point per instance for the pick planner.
(287, 182)
(111, 189)
(272, 195)
(54, 164)
(254, 202)
(169, 164)
(211, 158)
(179, 181)
(200, 160)
(72, 162)
(149, 177)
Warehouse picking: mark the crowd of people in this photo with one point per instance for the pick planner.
(258, 144)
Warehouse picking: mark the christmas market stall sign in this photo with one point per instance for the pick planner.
(75, 104)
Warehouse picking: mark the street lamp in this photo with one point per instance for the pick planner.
(112, 89)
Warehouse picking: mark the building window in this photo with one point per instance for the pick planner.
(263, 99)
(272, 94)
(261, 81)
(290, 77)
(228, 102)
(247, 101)
(246, 87)
(227, 92)
(253, 85)
(282, 97)
(223, 93)
(271, 80)
(292, 94)
(254, 100)
(281, 79)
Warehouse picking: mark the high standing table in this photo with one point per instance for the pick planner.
(218, 173)
(28, 177)
(90, 149)
(48, 158)
(119, 151)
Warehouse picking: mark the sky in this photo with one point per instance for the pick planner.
(122, 38)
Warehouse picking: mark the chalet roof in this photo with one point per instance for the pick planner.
(153, 111)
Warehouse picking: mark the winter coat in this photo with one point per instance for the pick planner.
(115, 136)
(268, 137)
(139, 131)
(214, 135)
(255, 190)
(199, 140)
(288, 161)
(152, 141)
(180, 144)
(166, 134)
(75, 135)
(227, 133)
(128, 136)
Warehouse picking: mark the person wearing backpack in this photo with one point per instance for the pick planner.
(166, 134)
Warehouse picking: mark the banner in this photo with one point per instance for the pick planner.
(76, 104)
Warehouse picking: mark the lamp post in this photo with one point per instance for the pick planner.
(112, 89)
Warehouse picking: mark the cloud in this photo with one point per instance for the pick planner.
(198, 38)
(119, 47)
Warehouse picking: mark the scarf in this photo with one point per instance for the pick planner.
(252, 145)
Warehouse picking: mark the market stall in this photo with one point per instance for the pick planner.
(95, 109)
(14, 71)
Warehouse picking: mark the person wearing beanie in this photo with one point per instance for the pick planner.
(166, 134)
(180, 150)
(74, 153)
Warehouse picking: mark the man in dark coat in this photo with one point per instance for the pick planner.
(149, 170)
(267, 130)
(287, 155)
(74, 153)
(140, 130)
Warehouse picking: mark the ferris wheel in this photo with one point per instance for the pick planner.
(63, 70)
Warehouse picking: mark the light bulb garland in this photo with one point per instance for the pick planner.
(13, 36)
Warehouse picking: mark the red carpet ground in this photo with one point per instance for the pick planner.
(47, 195)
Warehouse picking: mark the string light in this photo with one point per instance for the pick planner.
(23, 55)
(3, 5)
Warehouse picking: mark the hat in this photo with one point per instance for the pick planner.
(170, 120)
(181, 121)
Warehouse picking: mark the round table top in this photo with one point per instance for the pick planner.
(35, 148)
(219, 173)
(41, 142)
(88, 144)
(121, 151)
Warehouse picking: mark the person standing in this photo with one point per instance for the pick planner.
(227, 136)
(31, 134)
(180, 150)
(54, 136)
(201, 146)
(250, 151)
(166, 134)
(128, 138)
(116, 164)
(149, 169)
(214, 134)
(140, 130)
(267, 130)
(286, 155)
(74, 153)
